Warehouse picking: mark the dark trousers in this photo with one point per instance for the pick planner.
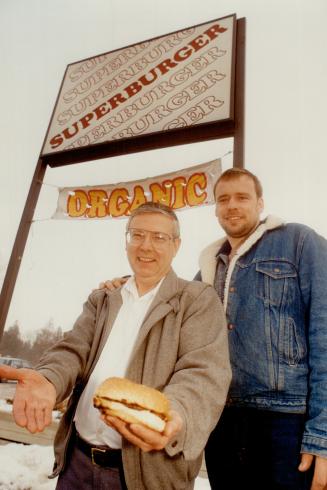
(256, 449)
(81, 474)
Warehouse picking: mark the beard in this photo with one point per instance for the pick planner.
(238, 229)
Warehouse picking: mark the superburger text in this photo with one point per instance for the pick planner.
(135, 87)
(98, 203)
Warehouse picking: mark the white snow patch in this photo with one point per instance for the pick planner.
(26, 467)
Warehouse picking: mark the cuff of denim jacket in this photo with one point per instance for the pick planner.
(314, 445)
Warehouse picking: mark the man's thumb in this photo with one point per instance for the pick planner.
(8, 372)
(306, 462)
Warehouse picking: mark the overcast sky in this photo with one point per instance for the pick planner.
(284, 142)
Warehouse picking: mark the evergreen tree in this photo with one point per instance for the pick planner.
(13, 345)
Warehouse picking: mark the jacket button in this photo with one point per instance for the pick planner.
(232, 289)
(230, 326)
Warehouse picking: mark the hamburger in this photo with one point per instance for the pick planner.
(133, 403)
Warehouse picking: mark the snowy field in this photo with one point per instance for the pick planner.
(27, 467)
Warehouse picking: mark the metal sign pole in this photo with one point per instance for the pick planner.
(238, 160)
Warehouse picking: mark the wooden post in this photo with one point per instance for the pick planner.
(20, 242)
(238, 160)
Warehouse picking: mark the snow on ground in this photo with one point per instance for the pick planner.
(4, 406)
(26, 467)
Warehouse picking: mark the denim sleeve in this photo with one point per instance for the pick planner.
(313, 282)
(198, 276)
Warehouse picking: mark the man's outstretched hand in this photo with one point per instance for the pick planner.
(34, 400)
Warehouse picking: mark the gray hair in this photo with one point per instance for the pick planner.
(156, 207)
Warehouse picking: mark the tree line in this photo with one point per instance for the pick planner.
(14, 345)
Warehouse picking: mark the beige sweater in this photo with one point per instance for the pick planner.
(181, 349)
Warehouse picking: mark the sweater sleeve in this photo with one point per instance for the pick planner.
(200, 382)
(64, 363)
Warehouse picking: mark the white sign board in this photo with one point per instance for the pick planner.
(174, 81)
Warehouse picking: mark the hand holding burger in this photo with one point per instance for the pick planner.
(139, 413)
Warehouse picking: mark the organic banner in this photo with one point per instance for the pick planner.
(174, 81)
(183, 189)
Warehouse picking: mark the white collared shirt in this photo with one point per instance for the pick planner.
(113, 361)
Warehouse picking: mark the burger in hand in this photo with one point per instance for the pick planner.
(133, 403)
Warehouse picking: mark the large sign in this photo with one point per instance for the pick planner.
(175, 81)
(183, 189)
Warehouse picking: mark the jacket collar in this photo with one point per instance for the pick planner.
(208, 259)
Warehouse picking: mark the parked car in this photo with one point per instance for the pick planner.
(15, 362)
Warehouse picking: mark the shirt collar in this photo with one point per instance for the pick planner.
(130, 287)
(224, 249)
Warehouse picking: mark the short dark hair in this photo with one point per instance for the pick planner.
(236, 173)
(156, 207)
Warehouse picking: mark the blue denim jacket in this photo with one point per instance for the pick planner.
(276, 307)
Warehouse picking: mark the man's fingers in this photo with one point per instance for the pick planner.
(124, 429)
(134, 439)
(109, 285)
(19, 413)
(31, 419)
(119, 281)
(152, 438)
(114, 284)
(174, 425)
(34, 418)
(43, 417)
(106, 285)
(47, 416)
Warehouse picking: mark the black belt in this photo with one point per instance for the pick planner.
(100, 455)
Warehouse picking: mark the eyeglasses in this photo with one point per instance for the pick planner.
(136, 236)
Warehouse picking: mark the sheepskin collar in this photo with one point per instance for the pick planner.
(207, 260)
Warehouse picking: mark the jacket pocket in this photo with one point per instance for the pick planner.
(275, 281)
(294, 349)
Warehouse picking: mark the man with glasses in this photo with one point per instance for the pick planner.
(158, 330)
